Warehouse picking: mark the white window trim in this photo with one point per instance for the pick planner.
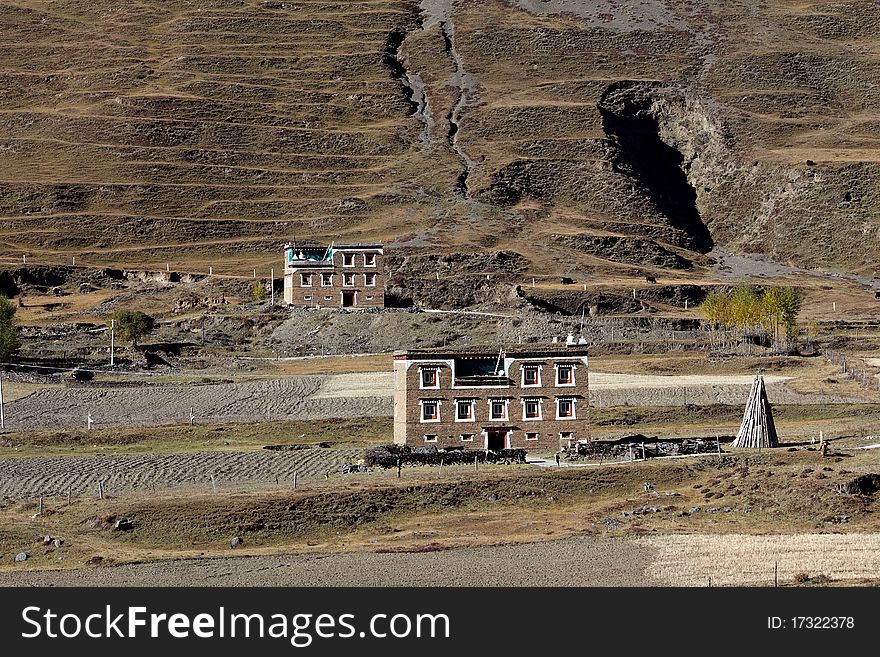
(303, 277)
(561, 437)
(523, 376)
(540, 409)
(573, 376)
(534, 433)
(436, 385)
(368, 278)
(422, 403)
(346, 278)
(573, 415)
(369, 264)
(467, 440)
(323, 284)
(473, 405)
(348, 255)
(307, 297)
(506, 403)
(430, 434)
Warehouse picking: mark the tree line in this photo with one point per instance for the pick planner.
(773, 310)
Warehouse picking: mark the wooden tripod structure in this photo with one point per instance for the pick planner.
(757, 429)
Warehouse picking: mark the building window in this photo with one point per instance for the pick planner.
(565, 375)
(328, 298)
(464, 410)
(307, 297)
(429, 377)
(430, 437)
(369, 260)
(348, 280)
(370, 280)
(531, 375)
(430, 411)
(497, 409)
(565, 409)
(531, 436)
(326, 280)
(348, 259)
(369, 298)
(305, 280)
(531, 409)
(566, 436)
(467, 437)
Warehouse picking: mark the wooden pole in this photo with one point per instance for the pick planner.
(2, 416)
(41, 506)
(398, 467)
(476, 456)
(775, 573)
(68, 495)
(101, 489)
(294, 480)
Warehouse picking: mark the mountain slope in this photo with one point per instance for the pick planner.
(205, 133)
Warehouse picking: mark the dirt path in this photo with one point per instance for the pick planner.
(28, 477)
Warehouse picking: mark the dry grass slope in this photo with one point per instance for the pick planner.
(208, 132)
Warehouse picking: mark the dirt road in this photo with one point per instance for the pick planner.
(669, 560)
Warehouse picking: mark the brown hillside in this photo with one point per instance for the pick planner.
(207, 132)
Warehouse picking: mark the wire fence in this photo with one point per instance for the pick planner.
(850, 366)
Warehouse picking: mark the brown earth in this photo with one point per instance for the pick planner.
(726, 517)
(206, 134)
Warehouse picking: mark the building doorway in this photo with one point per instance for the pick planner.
(349, 298)
(496, 439)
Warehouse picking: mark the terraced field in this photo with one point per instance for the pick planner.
(361, 395)
(290, 398)
(29, 477)
(205, 133)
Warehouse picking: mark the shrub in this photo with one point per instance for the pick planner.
(8, 332)
(132, 325)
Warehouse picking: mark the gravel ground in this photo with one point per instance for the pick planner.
(28, 477)
(581, 561)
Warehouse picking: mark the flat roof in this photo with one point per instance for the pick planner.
(358, 245)
(557, 350)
